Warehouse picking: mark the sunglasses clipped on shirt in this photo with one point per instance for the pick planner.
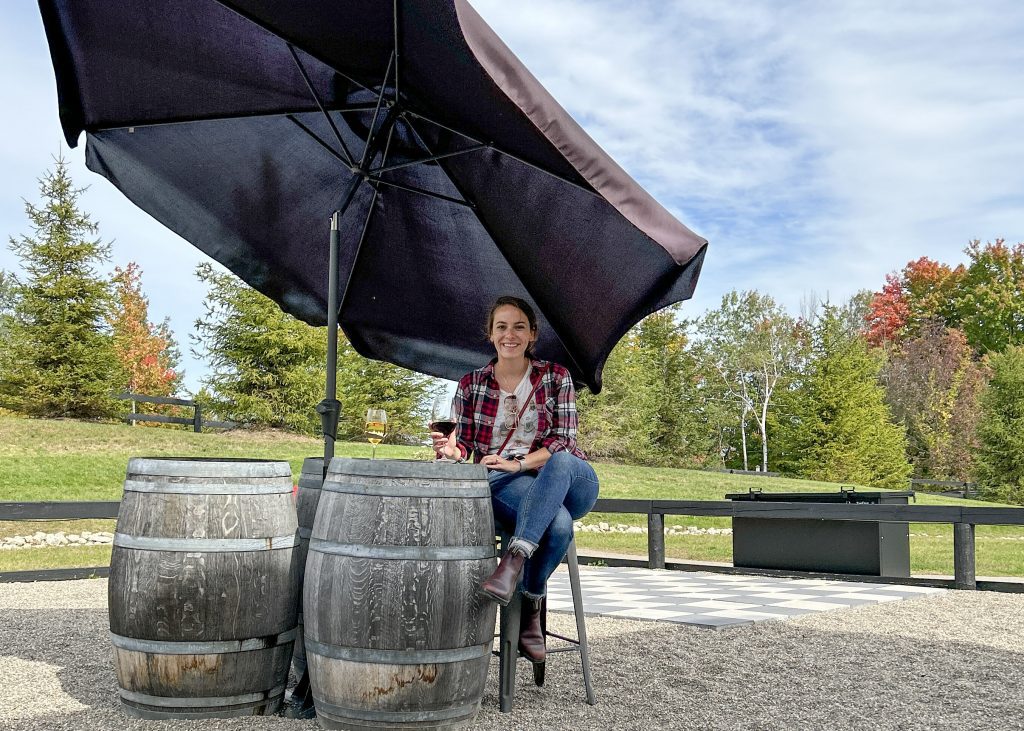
(511, 412)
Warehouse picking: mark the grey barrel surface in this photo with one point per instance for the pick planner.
(203, 587)
(396, 634)
(306, 500)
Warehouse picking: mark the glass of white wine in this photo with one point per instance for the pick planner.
(376, 428)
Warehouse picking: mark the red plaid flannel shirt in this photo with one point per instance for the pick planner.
(476, 406)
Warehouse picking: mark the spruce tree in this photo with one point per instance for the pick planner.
(268, 369)
(7, 300)
(59, 359)
(645, 414)
(841, 429)
(999, 461)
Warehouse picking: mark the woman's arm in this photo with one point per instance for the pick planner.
(459, 444)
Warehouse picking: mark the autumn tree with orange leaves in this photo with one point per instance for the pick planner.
(923, 293)
(147, 353)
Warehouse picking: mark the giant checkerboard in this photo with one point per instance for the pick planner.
(713, 600)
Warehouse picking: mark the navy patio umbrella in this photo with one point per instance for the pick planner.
(450, 174)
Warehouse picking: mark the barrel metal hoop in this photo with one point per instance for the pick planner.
(397, 657)
(253, 699)
(205, 545)
(191, 467)
(206, 488)
(416, 553)
(425, 489)
(329, 709)
(220, 647)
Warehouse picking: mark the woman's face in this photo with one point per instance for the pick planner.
(510, 332)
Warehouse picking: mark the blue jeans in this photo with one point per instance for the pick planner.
(540, 507)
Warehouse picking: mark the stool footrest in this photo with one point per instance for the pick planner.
(567, 639)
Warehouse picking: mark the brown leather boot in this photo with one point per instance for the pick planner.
(531, 632)
(501, 585)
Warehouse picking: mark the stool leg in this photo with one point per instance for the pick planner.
(508, 652)
(581, 627)
(538, 667)
(508, 643)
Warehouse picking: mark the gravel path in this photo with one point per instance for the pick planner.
(952, 660)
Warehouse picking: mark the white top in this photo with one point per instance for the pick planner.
(522, 440)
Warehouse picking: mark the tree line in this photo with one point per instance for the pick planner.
(76, 336)
(924, 377)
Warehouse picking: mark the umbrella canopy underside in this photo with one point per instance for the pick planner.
(242, 127)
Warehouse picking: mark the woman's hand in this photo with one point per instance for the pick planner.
(445, 446)
(500, 464)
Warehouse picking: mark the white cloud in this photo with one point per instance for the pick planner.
(817, 145)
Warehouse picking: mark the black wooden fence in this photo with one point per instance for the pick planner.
(197, 415)
(950, 488)
(962, 518)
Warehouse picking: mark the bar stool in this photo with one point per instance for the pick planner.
(508, 637)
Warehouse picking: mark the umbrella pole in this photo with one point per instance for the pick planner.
(301, 705)
(330, 408)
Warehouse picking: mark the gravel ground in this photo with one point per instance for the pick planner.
(951, 660)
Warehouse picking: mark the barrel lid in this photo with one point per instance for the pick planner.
(208, 467)
(419, 469)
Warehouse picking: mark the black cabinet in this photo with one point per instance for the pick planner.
(832, 546)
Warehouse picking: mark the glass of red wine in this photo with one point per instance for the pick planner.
(442, 418)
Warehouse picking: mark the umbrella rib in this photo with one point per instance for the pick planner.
(277, 34)
(432, 158)
(394, 5)
(497, 149)
(494, 238)
(317, 139)
(366, 227)
(142, 124)
(376, 112)
(423, 191)
(319, 103)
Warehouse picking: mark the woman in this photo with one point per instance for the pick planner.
(517, 417)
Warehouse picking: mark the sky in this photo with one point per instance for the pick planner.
(816, 145)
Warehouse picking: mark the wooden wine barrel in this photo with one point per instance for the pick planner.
(203, 587)
(310, 481)
(396, 634)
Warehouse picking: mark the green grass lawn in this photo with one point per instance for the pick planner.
(73, 460)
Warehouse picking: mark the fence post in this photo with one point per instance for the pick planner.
(134, 411)
(963, 556)
(655, 541)
(197, 422)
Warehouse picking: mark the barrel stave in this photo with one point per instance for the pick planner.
(188, 676)
(397, 604)
(370, 689)
(402, 520)
(179, 596)
(206, 516)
